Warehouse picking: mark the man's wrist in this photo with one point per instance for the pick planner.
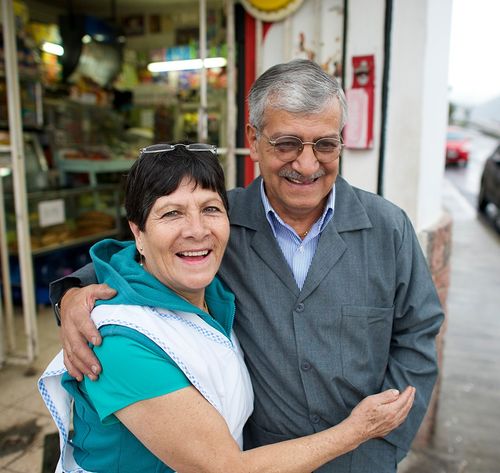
(71, 283)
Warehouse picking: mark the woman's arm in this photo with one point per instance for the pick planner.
(188, 434)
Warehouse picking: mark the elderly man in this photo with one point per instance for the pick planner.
(334, 297)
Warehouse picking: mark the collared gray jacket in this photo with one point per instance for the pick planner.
(365, 321)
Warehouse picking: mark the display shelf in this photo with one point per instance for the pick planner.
(62, 218)
(91, 167)
(74, 242)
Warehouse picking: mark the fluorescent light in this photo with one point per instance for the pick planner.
(187, 64)
(53, 48)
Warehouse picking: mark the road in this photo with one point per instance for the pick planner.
(462, 184)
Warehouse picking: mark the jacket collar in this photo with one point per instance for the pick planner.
(349, 213)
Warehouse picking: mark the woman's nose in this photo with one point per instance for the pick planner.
(196, 227)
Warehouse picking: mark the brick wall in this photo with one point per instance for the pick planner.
(436, 244)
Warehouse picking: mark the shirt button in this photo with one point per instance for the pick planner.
(314, 418)
(301, 249)
(306, 366)
(300, 307)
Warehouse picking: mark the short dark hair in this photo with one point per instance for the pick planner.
(155, 175)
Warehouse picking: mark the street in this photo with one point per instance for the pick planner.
(467, 432)
(465, 180)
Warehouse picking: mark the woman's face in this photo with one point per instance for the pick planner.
(184, 239)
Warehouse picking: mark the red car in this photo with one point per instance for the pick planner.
(457, 147)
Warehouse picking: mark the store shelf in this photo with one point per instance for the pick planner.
(92, 167)
(68, 217)
(73, 242)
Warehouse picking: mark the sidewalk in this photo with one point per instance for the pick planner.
(467, 437)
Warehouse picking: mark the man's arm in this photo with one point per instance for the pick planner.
(73, 304)
(418, 318)
(81, 277)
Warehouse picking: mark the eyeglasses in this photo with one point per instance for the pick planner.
(165, 147)
(289, 148)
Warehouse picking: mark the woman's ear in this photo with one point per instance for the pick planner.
(136, 232)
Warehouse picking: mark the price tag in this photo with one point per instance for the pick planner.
(51, 212)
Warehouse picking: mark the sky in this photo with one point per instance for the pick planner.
(474, 66)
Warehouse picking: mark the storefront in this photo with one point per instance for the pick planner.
(96, 83)
(87, 112)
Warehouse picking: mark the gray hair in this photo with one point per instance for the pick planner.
(299, 86)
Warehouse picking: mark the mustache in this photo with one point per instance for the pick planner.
(291, 174)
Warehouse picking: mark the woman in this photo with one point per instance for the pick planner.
(174, 389)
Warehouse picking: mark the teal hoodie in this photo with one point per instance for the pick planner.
(115, 264)
(110, 447)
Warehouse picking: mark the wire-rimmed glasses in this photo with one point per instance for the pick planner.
(289, 148)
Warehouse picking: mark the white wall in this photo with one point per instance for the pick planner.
(321, 22)
(417, 102)
(417, 111)
(365, 36)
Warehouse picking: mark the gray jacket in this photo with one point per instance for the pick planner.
(364, 321)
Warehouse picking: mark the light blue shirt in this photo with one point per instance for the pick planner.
(298, 253)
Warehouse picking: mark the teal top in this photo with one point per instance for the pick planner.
(142, 370)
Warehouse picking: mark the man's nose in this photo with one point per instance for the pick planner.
(306, 163)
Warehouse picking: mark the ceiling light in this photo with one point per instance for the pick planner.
(53, 48)
(187, 64)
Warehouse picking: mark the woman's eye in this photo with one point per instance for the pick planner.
(211, 209)
(171, 213)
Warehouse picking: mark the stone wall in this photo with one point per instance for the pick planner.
(436, 244)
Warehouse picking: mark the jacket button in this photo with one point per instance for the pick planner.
(314, 418)
(300, 307)
(305, 366)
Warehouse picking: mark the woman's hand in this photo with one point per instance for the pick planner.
(377, 415)
(77, 328)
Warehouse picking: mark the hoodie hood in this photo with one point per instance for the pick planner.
(116, 265)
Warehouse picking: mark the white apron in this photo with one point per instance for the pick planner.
(211, 362)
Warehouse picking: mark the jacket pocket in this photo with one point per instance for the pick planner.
(256, 436)
(365, 340)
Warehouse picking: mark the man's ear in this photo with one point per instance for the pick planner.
(251, 133)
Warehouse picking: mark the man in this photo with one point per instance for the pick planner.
(334, 297)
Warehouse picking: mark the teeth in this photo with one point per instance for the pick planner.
(194, 253)
(302, 181)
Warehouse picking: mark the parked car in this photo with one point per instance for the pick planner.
(489, 192)
(457, 147)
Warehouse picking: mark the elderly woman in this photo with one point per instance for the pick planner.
(174, 393)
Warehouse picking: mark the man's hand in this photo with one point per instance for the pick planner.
(77, 328)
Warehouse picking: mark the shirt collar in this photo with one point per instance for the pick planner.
(276, 221)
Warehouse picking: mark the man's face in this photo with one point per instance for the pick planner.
(297, 190)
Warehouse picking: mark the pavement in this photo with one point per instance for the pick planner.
(467, 431)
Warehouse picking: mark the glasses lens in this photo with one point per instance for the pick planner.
(287, 147)
(201, 147)
(158, 148)
(327, 145)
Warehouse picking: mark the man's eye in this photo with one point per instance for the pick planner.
(326, 146)
(287, 145)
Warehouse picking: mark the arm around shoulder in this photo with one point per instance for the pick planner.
(81, 277)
